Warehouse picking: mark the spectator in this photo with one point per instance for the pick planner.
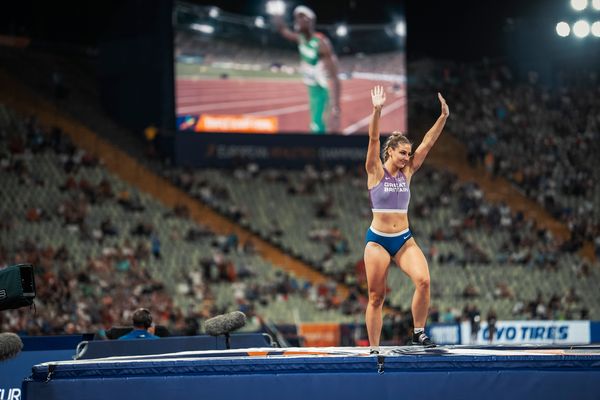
(155, 246)
(492, 318)
(142, 326)
(472, 314)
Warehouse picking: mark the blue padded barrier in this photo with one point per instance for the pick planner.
(110, 348)
(444, 373)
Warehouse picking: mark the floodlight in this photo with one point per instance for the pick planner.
(563, 29)
(213, 12)
(579, 5)
(203, 28)
(259, 22)
(275, 7)
(596, 29)
(581, 28)
(400, 28)
(341, 30)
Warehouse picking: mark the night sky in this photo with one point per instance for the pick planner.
(460, 29)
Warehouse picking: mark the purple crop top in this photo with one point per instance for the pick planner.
(392, 194)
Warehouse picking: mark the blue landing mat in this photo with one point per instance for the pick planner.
(332, 373)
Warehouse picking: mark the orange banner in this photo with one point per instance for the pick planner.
(14, 41)
(320, 334)
(236, 123)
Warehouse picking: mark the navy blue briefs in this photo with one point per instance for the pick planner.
(392, 242)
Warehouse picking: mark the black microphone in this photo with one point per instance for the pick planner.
(10, 345)
(224, 324)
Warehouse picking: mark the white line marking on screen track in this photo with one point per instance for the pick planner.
(280, 111)
(240, 103)
(234, 104)
(301, 107)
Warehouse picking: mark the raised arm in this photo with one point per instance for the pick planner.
(284, 30)
(331, 65)
(430, 137)
(373, 164)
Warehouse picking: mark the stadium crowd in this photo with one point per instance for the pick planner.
(91, 291)
(541, 134)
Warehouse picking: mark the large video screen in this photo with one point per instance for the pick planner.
(283, 70)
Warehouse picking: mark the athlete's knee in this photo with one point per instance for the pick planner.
(376, 298)
(422, 282)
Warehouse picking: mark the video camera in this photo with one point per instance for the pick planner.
(17, 287)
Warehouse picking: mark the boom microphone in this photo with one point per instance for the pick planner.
(10, 345)
(223, 324)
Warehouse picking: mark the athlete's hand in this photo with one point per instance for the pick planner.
(445, 109)
(378, 97)
(278, 22)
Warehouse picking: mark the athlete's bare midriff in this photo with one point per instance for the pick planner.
(390, 222)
